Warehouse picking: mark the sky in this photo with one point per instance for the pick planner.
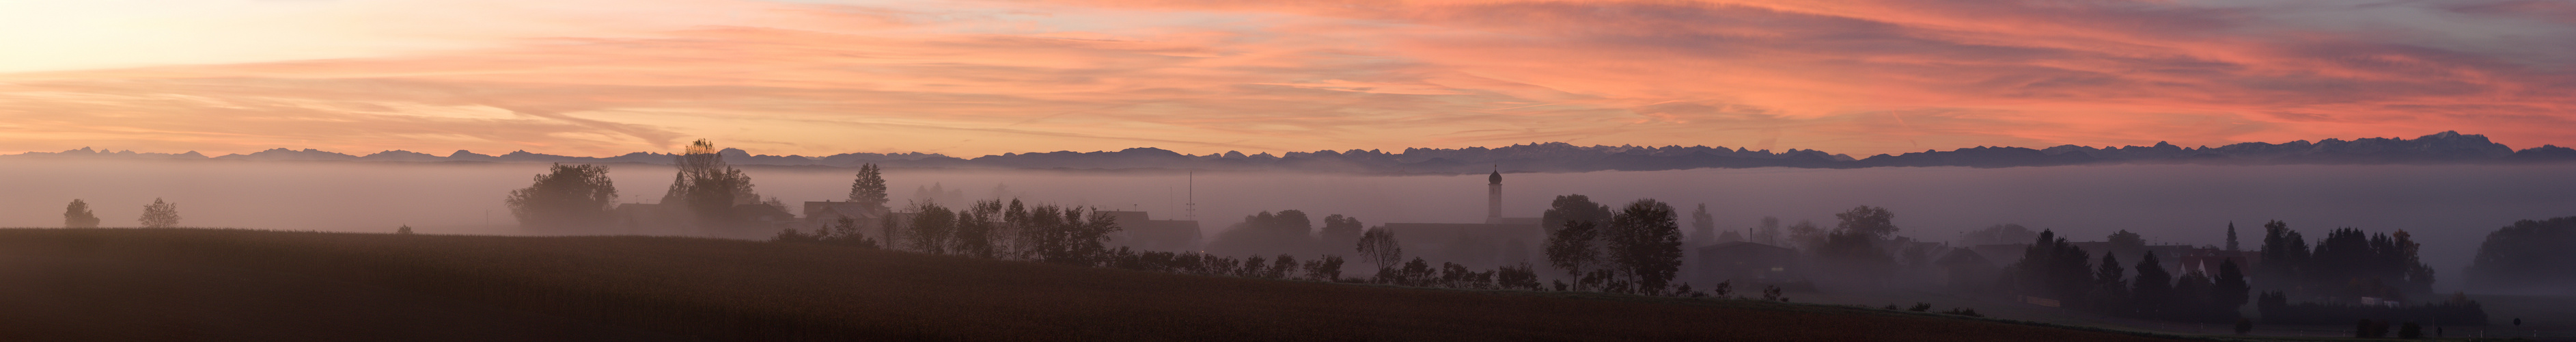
(973, 77)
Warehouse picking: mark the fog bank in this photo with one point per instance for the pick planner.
(2450, 208)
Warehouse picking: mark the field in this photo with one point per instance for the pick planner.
(203, 284)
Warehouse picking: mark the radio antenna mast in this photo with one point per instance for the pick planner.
(1193, 213)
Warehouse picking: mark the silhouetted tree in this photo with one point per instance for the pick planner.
(1071, 236)
(1340, 230)
(2153, 287)
(1569, 247)
(1645, 244)
(567, 196)
(160, 214)
(1280, 266)
(1379, 247)
(1288, 231)
(404, 230)
(1253, 267)
(77, 215)
(1807, 236)
(2053, 268)
(2111, 289)
(2244, 326)
(1856, 256)
(2190, 299)
(2230, 290)
(870, 187)
(707, 186)
(2231, 236)
(930, 228)
(1854, 247)
(1329, 268)
(1520, 276)
(1703, 225)
(2125, 242)
(2283, 251)
(2529, 255)
(1874, 222)
(977, 230)
(1574, 208)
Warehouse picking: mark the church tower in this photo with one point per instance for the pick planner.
(1494, 195)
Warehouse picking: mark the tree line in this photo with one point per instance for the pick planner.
(706, 192)
(2058, 269)
(158, 214)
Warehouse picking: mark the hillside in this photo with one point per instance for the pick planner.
(189, 284)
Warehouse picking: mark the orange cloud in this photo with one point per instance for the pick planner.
(973, 78)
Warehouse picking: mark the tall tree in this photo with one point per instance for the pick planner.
(2231, 236)
(2189, 298)
(870, 187)
(1644, 241)
(1379, 247)
(2112, 292)
(2526, 256)
(77, 215)
(2230, 290)
(1569, 247)
(1574, 208)
(2282, 254)
(2054, 268)
(1266, 233)
(1703, 225)
(2153, 287)
(931, 227)
(708, 186)
(1807, 236)
(1340, 230)
(2125, 242)
(976, 229)
(1875, 222)
(160, 214)
(567, 196)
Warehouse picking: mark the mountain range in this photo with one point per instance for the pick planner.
(2438, 148)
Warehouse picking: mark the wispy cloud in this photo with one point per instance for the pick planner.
(975, 77)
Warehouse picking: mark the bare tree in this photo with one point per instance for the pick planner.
(160, 214)
(1378, 245)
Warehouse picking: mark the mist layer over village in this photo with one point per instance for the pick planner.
(2447, 208)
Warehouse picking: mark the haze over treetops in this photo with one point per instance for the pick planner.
(1862, 77)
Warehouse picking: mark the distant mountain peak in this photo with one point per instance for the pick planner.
(2447, 147)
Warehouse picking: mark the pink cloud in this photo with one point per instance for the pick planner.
(1860, 77)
